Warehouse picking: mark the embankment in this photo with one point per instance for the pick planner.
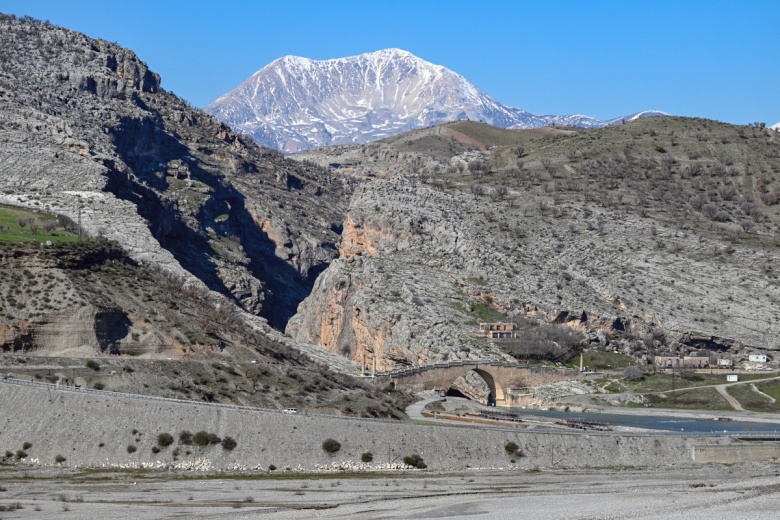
(93, 429)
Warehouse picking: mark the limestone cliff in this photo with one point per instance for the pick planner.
(658, 251)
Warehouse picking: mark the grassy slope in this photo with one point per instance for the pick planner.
(12, 231)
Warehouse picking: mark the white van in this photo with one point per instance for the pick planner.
(290, 410)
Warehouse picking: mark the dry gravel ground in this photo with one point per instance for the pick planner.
(745, 491)
(591, 476)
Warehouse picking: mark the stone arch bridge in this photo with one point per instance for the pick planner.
(500, 376)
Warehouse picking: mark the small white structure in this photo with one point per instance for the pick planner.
(724, 362)
(757, 358)
(732, 378)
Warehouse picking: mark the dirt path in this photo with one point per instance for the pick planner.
(733, 402)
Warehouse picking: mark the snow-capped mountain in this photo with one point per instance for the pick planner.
(296, 103)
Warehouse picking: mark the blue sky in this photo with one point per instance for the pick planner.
(713, 59)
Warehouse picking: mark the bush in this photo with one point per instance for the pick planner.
(131, 448)
(59, 459)
(26, 446)
(511, 447)
(21, 454)
(155, 449)
(271, 468)
(367, 457)
(9, 454)
(201, 438)
(632, 373)
(331, 446)
(415, 461)
(92, 364)
(214, 439)
(164, 439)
(229, 443)
(185, 437)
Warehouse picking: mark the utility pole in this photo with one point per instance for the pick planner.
(79, 217)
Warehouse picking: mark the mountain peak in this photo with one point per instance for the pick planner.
(297, 103)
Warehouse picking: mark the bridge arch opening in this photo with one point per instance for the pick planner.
(477, 385)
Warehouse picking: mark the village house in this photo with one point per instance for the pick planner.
(500, 330)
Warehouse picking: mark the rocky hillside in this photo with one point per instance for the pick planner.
(657, 235)
(87, 131)
(296, 103)
(196, 242)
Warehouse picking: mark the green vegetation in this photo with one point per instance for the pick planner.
(185, 437)
(602, 360)
(771, 388)
(415, 461)
(164, 439)
(229, 443)
(691, 399)
(331, 446)
(26, 445)
(20, 225)
(367, 457)
(511, 448)
(94, 365)
(751, 400)
(131, 448)
(21, 454)
(483, 313)
(204, 438)
(271, 467)
(59, 459)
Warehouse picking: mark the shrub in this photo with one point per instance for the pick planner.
(26, 446)
(164, 439)
(131, 448)
(9, 454)
(185, 437)
(21, 454)
(511, 447)
(155, 449)
(415, 461)
(367, 457)
(271, 468)
(229, 443)
(632, 373)
(201, 438)
(214, 439)
(331, 446)
(92, 364)
(59, 459)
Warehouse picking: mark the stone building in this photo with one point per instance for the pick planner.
(499, 330)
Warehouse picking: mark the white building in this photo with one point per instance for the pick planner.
(757, 358)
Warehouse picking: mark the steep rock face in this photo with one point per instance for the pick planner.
(608, 246)
(296, 103)
(87, 131)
